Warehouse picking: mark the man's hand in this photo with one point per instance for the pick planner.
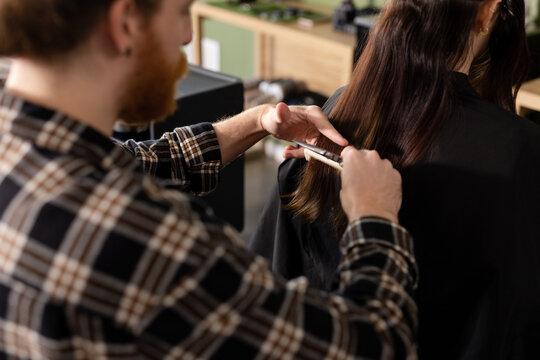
(239, 133)
(369, 186)
(303, 123)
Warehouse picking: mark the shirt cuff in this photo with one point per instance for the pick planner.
(381, 232)
(197, 154)
(199, 144)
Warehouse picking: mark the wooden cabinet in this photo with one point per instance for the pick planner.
(528, 97)
(317, 55)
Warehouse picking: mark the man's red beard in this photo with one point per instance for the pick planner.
(150, 93)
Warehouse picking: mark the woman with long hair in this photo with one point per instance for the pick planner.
(434, 91)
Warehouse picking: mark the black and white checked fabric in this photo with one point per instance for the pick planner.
(99, 260)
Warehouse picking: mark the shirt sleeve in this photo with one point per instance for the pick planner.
(187, 158)
(232, 306)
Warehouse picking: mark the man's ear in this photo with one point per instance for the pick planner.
(487, 13)
(121, 24)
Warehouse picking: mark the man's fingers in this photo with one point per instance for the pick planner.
(347, 151)
(320, 121)
(350, 150)
(292, 152)
(282, 112)
(376, 192)
(331, 133)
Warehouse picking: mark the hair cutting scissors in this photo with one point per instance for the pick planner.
(327, 157)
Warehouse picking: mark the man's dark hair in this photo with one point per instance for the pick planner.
(47, 28)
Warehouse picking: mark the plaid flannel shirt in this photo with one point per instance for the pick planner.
(99, 260)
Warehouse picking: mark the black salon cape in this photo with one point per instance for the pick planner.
(473, 208)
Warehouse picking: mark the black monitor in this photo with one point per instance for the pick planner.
(207, 96)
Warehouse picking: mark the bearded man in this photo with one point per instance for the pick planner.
(99, 260)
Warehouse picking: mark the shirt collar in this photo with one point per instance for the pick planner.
(56, 132)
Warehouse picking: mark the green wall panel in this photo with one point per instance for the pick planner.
(236, 47)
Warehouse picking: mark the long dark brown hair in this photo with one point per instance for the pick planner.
(401, 91)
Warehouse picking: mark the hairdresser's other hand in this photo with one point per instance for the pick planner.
(369, 186)
(303, 123)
